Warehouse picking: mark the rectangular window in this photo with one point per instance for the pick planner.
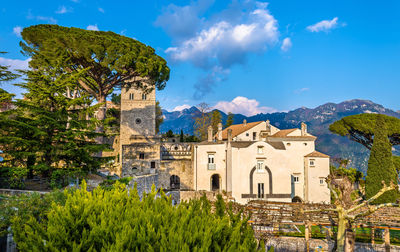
(211, 164)
(131, 96)
(254, 136)
(260, 150)
(321, 181)
(260, 193)
(260, 166)
(153, 164)
(312, 162)
(141, 155)
(296, 179)
(144, 96)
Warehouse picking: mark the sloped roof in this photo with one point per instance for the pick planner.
(277, 145)
(283, 133)
(317, 154)
(238, 129)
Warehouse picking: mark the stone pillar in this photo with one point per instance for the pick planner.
(244, 122)
(219, 135)
(303, 129)
(387, 239)
(229, 135)
(350, 240)
(307, 235)
(210, 134)
(372, 235)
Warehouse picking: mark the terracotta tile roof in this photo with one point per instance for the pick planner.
(317, 154)
(283, 133)
(238, 129)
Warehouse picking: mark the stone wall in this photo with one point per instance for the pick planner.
(144, 183)
(182, 168)
(289, 244)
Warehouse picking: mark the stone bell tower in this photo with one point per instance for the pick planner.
(140, 147)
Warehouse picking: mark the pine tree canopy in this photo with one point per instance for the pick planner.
(361, 128)
(97, 60)
(380, 164)
(115, 220)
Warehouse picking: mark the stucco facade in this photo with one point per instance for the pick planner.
(275, 166)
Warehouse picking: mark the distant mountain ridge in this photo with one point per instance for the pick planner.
(318, 120)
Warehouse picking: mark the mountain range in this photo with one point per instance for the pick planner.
(318, 120)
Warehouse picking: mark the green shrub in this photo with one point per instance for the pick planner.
(115, 220)
(26, 206)
(16, 177)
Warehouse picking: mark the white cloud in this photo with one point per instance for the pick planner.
(17, 31)
(92, 27)
(181, 107)
(286, 44)
(63, 10)
(218, 42)
(101, 10)
(49, 20)
(302, 90)
(243, 105)
(182, 22)
(227, 43)
(15, 64)
(324, 25)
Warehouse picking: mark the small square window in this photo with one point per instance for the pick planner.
(260, 166)
(321, 181)
(141, 155)
(312, 162)
(153, 164)
(260, 150)
(296, 179)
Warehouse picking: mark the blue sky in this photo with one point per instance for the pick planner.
(242, 56)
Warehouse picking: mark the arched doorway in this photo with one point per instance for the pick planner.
(297, 199)
(174, 182)
(215, 182)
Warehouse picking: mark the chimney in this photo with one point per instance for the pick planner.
(268, 127)
(219, 136)
(229, 135)
(210, 134)
(303, 129)
(244, 122)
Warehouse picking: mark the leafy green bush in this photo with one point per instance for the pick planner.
(109, 183)
(115, 220)
(26, 206)
(16, 177)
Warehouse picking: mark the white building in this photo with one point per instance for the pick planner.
(259, 161)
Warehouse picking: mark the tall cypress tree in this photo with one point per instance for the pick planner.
(380, 165)
(229, 120)
(181, 137)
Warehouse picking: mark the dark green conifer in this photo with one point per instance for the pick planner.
(380, 165)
